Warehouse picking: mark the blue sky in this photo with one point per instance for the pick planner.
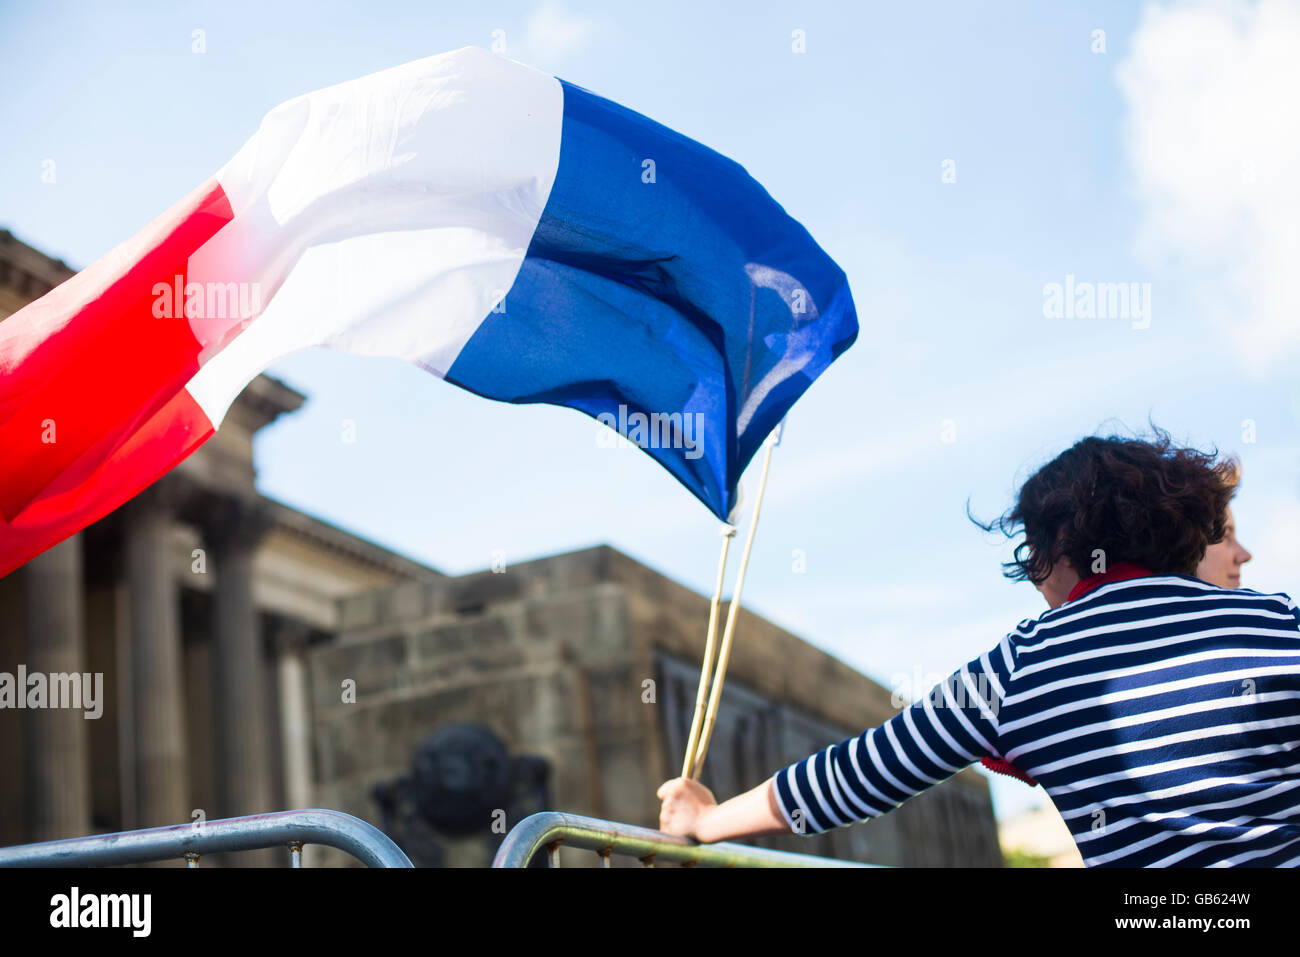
(1160, 161)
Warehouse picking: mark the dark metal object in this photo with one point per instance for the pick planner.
(463, 783)
(461, 774)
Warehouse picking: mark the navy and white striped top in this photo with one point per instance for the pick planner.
(1160, 713)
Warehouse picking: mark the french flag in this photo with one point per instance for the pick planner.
(505, 230)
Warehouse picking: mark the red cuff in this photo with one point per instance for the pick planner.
(1006, 767)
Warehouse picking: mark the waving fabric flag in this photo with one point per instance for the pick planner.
(505, 230)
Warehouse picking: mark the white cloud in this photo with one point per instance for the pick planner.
(1268, 518)
(554, 34)
(1276, 551)
(1212, 134)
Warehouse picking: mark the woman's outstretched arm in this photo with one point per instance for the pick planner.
(862, 777)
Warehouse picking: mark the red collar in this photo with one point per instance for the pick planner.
(1120, 571)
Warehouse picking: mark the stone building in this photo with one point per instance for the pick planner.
(591, 660)
(255, 658)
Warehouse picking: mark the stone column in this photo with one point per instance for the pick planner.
(161, 770)
(239, 670)
(56, 765)
(292, 639)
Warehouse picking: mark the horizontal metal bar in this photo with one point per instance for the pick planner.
(550, 827)
(363, 841)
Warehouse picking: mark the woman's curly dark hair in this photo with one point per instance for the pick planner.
(1144, 501)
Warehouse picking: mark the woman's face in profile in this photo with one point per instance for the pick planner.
(1223, 560)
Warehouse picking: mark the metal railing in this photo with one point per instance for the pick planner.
(292, 829)
(189, 842)
(551, 829)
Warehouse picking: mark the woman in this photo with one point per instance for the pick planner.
(1161, 713)
(1223, 560)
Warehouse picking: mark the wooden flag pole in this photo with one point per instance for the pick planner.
(733, 609)
(728, 532)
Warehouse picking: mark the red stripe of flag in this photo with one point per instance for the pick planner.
(91, 378)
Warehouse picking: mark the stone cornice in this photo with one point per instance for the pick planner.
(301, 525)
(27, 270)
